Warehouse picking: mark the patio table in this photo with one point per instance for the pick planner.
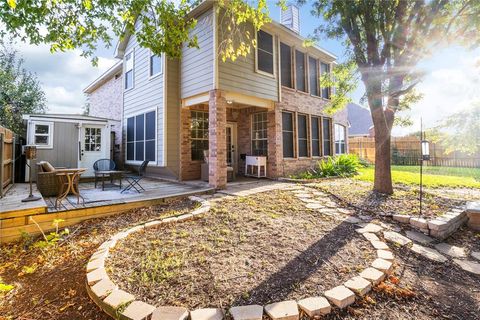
(69, 179)
(112, 174)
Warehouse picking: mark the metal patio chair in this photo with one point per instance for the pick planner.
(133, 181)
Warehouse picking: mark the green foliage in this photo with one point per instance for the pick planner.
(343, 80)
(4, 288)
(345, 165)
(20, 91)
(51, 239)
(158, 266)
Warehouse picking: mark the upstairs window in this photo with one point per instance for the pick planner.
(313, 75)
(300, 70)
(259, 134)
(339, 138)
(286, 65)
(129, 70)
(265, 52)
(325, 70)
(155, 64)
(199, 134)
(141, 137)
(287, 134)
(327, 137)
(302, 135)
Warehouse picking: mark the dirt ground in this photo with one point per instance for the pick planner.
(420, 289)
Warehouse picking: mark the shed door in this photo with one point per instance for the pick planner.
(93, 146)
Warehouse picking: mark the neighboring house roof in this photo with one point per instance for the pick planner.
(107, 75)
(63, 117)
(203, 6)
(360, 119)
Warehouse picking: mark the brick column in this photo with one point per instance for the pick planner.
(217, 140)
(274, 134)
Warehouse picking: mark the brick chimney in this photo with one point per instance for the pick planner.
(290, 18)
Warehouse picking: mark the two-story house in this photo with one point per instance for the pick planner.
(269, 103)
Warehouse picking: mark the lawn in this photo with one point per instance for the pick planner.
(435, 177)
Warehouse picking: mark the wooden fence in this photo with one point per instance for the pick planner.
(7, 163)
(406, 151)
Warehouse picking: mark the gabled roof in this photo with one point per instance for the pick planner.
(117, 67)
(359, 118)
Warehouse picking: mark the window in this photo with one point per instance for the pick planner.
(42, 135)
(259, 134)
(265, 52)
(199, 134)
(327, 137)
(287, 134)
(300, 70)
(93, 139)
(141, 142)
(286, 65)
(315, 136)
(155, 64)
(325, 69)
(339, 138)
(129, 70)
(302, 135)
(313, 74)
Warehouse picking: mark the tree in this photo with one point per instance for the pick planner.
(20, 91)
(386, 39)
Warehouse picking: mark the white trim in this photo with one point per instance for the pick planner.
(196, 99)
(264, 73)
(215, 53)
(49, 135)
(165, 124)
(132, 51)
(156, 75)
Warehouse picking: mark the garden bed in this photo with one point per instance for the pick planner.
(259, 249)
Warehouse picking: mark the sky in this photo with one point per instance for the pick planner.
(451, 82)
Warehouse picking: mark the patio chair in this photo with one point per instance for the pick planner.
(103, 165)
(133, 181)
(47, 181)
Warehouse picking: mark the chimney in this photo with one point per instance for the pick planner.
(290, 18)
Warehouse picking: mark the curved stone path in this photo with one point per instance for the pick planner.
(122, 305)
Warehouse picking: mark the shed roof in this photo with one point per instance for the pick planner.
(65, 117)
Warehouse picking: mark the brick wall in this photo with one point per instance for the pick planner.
(106, 102)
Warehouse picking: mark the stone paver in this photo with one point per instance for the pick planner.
(419, 223)
(468, 265)
(372, 275)
(379, 245)
(314, 205)
(453, 251)
(95, 264)
(383, 265)
(345, 211)
(419, 237)
(401, 218)
(396, 237)
(359, 285)
(340, 296)
(385, 255)
(370, 227)
(476, 254)
(315, 306)
(96, 276)
(118, 298)
(352, 220)
(428, 253)
(251, 312)
(371, 236)
(170, 313)
(303, 195)
(138, 310)
(102, 288)
(206, 314)
(284, 310)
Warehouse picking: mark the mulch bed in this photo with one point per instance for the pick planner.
(56, 289)
(405, 199)
(254, 250)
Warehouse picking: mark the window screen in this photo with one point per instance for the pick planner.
(325, 70)
(286, 65)
(327, 137)
(300, 70)
(315, 136)
(141, 141)
(287, 134)
(313, 74)
(302, 135)
(265, 52)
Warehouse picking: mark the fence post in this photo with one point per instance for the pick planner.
(14, 158)
(2, 146)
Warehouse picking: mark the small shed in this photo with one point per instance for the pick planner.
(70, 141)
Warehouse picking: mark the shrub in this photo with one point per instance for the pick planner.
(345, 165)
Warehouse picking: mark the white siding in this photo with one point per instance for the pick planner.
(146, 94)
(197, 64)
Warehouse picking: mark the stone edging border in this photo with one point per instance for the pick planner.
(120, 304)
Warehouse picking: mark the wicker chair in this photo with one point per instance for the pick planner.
(47, 180)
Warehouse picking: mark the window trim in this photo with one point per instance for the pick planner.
(321, 74)
(344, 138)
(131, 51)
(252, 116)
(292, 64)
(191, 138)
(32, 134)
(134, 115)
(264, 73)
(150, 55)
(305, 68)
(318, 76)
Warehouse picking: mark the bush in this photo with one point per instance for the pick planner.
(345, 165)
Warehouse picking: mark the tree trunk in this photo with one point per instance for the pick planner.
(383, 174)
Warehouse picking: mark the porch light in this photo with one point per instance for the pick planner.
(425, 150)
(229, 102)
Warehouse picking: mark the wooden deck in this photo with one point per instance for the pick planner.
(17, 217)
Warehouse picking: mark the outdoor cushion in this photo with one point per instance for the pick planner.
(47, 167)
